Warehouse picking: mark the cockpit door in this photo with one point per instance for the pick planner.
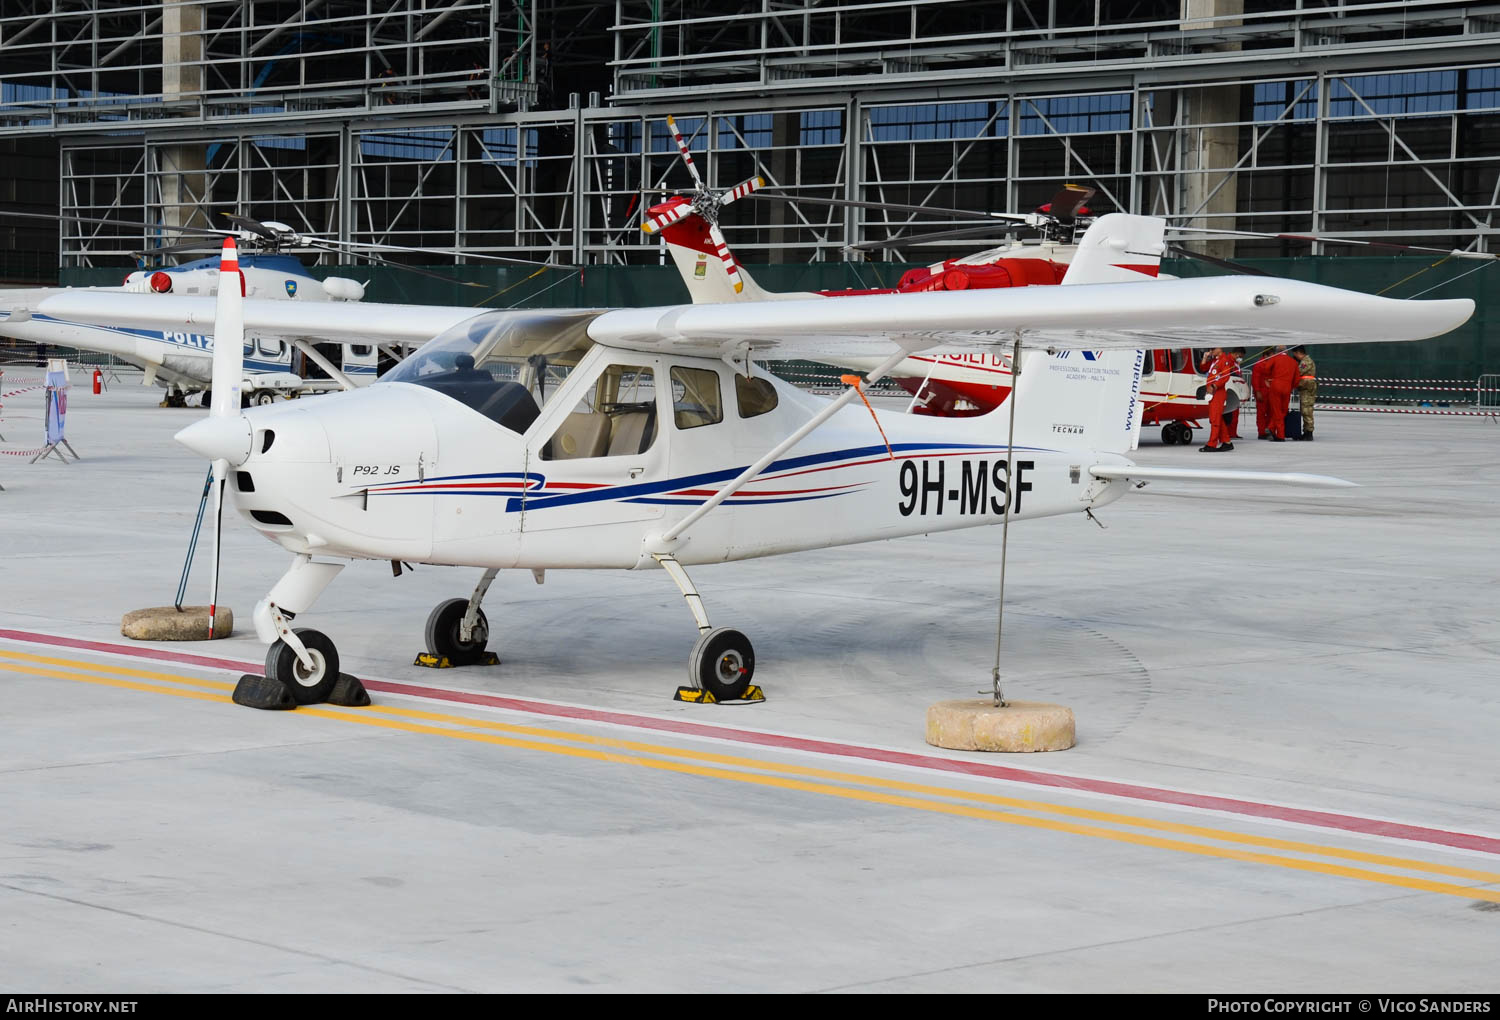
(597, 454)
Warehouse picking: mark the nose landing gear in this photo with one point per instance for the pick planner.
(308, 685)
(302, 665)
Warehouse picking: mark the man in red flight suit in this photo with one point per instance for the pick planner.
(1233, 422)
(1262, 396)
(1222, 367)
(1281, 377)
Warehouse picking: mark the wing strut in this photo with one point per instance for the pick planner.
(317, 358)
(746, 476)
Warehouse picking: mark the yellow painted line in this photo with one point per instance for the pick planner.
(109, 682)
(940, 807)
(94, 667)
(593, 751)
(970, 795)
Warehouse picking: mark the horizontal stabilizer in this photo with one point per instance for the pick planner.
(1167, 474)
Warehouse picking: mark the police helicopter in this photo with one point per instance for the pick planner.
(649, 437)
(182, 360)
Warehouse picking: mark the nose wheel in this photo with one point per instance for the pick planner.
(308, 686)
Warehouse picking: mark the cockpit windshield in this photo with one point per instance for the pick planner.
(504, 364)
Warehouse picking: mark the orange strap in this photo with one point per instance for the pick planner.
(858, 384)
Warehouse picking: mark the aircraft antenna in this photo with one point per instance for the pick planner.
(1010, 483)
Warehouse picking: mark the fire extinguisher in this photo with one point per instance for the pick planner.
(98, 381)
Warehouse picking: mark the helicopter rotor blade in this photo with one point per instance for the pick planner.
(255, 227)
(1068, 200)
(740, 190)
(654, 223)
(1213, 260)
(682, 147)
(942, 235)
(731, 266)
(377, 260)
(130, 224)
(1454, 252)
(354, 246)
(770, 193)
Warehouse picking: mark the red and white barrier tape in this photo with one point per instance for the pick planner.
(1387, 385)
(24, 453)
(1323, 379)
(1494, 413)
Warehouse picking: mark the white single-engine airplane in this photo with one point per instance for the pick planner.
(647, 437)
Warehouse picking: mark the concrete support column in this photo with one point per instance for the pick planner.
(786, 134)
(183, 179)
(1210, 190)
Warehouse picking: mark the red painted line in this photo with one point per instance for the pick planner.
(985, 770)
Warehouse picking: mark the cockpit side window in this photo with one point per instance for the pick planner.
(615, 418)
(756, 396)
(695, 397)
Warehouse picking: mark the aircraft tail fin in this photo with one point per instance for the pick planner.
(1076, 400)
(1118, 248)
(698, 261)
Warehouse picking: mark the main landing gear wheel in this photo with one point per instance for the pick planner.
(1176, 432)
(308, 686)
(443, 633)
(722, 663)
(263, 398)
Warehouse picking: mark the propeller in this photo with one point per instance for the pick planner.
(225, 435)
(707, 204)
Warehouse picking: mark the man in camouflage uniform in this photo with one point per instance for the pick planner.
(1307, 388)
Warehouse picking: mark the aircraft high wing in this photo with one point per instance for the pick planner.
(1222, 310)
(1227, 310)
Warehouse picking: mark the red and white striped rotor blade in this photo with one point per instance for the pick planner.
(721, 247)
(741, 189)
(687, 157)
(655, 222)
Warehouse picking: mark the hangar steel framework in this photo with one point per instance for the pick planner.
(448, 123)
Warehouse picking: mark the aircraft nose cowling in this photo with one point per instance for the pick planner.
(219, 439)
